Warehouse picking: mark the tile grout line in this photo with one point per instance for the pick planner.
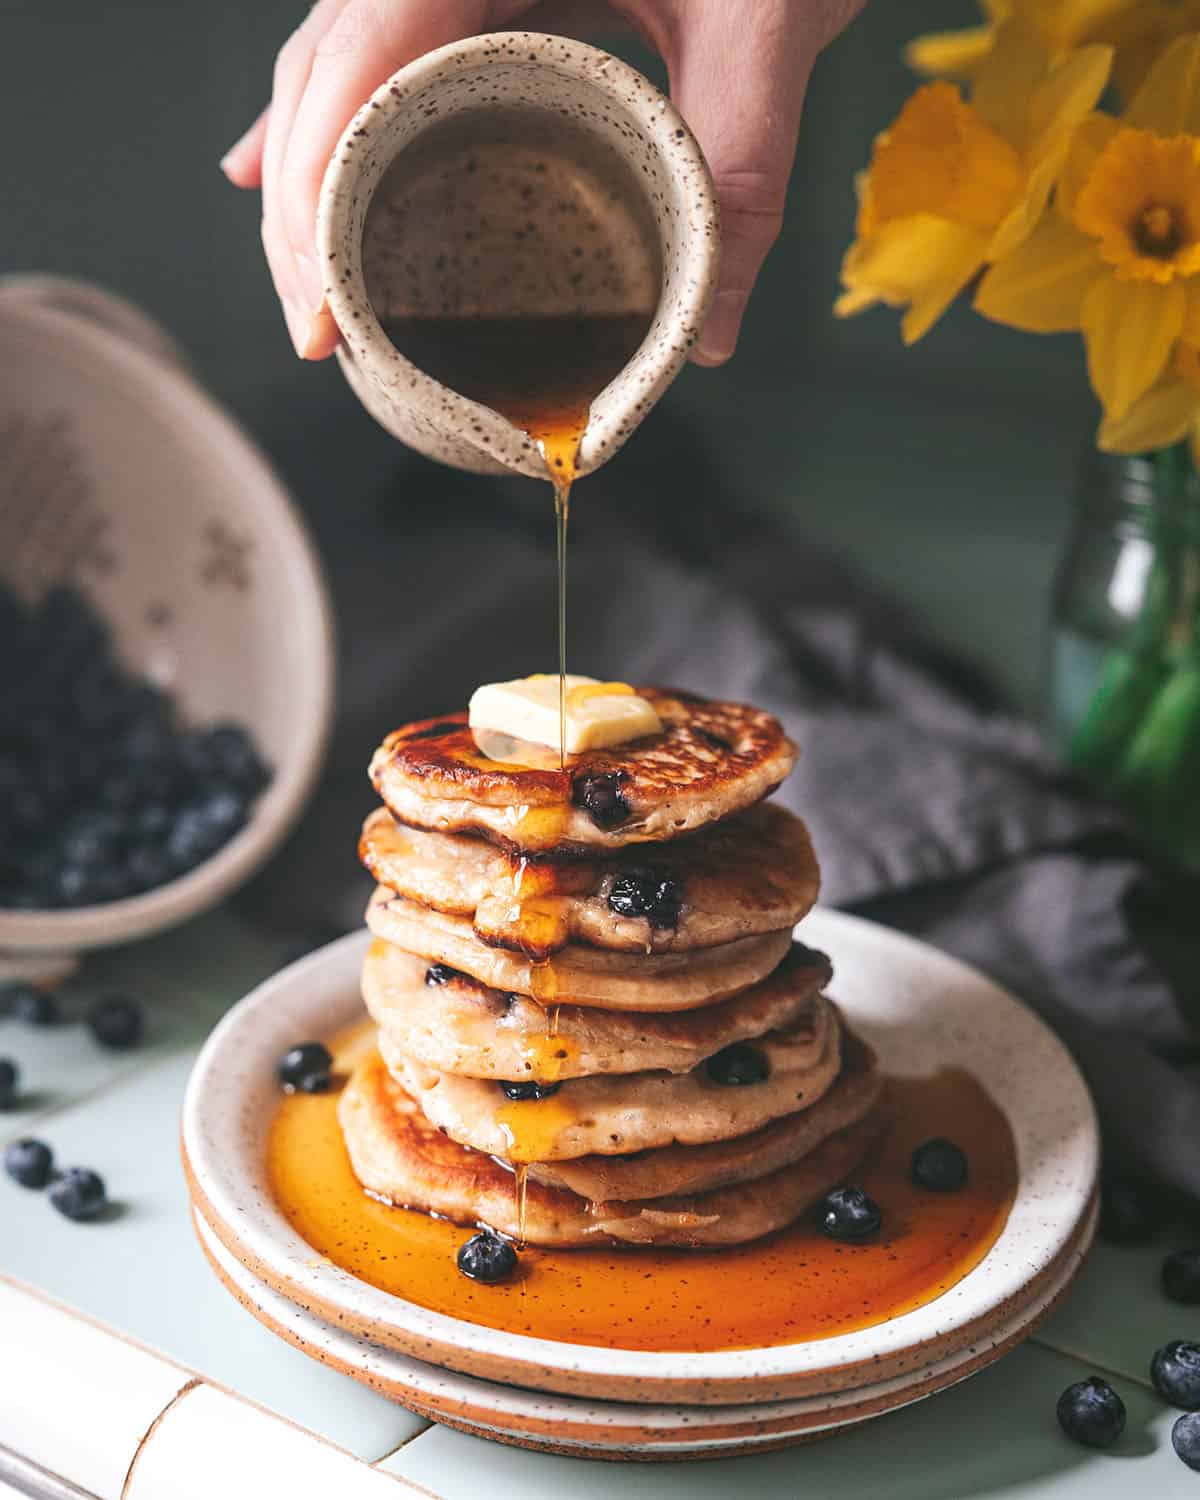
(1094, 1364)
(183, 1391)
(404, 1442)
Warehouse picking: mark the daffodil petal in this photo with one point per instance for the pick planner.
(962, 255)
(1129, 327)
(1005, 85)
(850, 303)
(949, 54)
(1190, 333)
(1040, 286)
(1160, 418)
(920, 262)
(1087, 146)
(1169, 100)
(1068, 96)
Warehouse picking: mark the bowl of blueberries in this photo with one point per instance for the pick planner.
(166, 647)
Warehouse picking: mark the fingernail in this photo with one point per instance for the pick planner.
(719, 338)
(299, 324)
(322, 336)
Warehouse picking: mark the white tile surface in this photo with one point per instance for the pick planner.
(994, 1435)
(211, 1444)
(74, 1398)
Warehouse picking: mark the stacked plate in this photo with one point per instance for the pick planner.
(922, 1011)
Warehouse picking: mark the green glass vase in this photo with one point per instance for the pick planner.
(1124, 668)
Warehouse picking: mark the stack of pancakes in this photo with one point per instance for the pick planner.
(594, 1025)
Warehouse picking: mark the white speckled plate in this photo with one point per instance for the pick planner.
(920, 1009)
(609, 1429)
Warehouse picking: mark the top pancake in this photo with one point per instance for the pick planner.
(711, 759)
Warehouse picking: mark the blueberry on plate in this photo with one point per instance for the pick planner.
(1181, 1276)
(486, 1257)
(647, 893)
(1185, 1439)
(1090, 1412)
(738, 1064)
(117, 1022)
(939, 1166)
(1130, 1212)
(29, 1162)
(599, 794)
(307, 1067)
(78, 1194)
(848, 1213)
(1175, 1371)
(529, 1089)
(9, 1074)
(33, 1006)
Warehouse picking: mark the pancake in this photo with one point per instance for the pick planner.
(457, 1025)
(618, 1113)
(751, 874)
(711, 760)
(402, 1159)
(578, 975)
(702, 1169)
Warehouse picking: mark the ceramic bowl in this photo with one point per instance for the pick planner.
(122, 476)
(509, 176)
(921, 1010)
(609, 1429)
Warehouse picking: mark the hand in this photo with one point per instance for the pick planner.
(738, 71)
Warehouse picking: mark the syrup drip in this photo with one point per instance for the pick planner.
(792, 1286)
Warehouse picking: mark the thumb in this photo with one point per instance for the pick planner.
(738, 75)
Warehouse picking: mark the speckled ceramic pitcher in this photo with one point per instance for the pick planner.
(515, 175)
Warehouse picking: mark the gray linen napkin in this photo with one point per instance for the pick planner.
(930, 807)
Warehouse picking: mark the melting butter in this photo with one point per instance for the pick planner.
(598, 714)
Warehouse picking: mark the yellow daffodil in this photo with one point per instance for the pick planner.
(1168, 412)
(1059, 25)
(1120, 260)
(1140, 33)
(953, 186)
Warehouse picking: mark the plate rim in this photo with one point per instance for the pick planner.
(256, 1232)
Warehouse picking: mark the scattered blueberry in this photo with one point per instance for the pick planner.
(486, 1257)
(939, 1165)
(1131, 1213)
(33, 1006)
(29, 1162)
(849, 1214)
(599, 794)
(9, 1075)
(1175, 1371)
(1185, 1439)
(78, 1193)
(441, 974)
(647, 893)
(738, 1064)
(117, 1022)
(306, 1067)
(528, 1089)
(1181, 1276)
(1090, 1412)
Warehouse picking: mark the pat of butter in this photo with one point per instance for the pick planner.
(599, 714)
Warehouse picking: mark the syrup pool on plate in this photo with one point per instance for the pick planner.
(792, 1286)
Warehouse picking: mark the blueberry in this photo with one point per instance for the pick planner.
(91, 837)
(849, 1214)
(939, 1165)
(1090, 1412)
(1130, 1212)
(189, 841)
(306, 1067)
(441, 974)
(33, 1006)
(234, 752)
(120, 790)
(738, 1064)
(77, 885)
(1175, 1371)
(31, 1163)
(528, 1089)
(1181, 1276)
(78, 1193)
(225, 811)
(599, 794)
(9, 1076)
(1185, 1439)
(117, 1022)
(486, 1257)
(152, 820)
(148, 866)
(647, 893)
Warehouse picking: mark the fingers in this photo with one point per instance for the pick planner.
(367, 42)
(738, 75)
(242, 163)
